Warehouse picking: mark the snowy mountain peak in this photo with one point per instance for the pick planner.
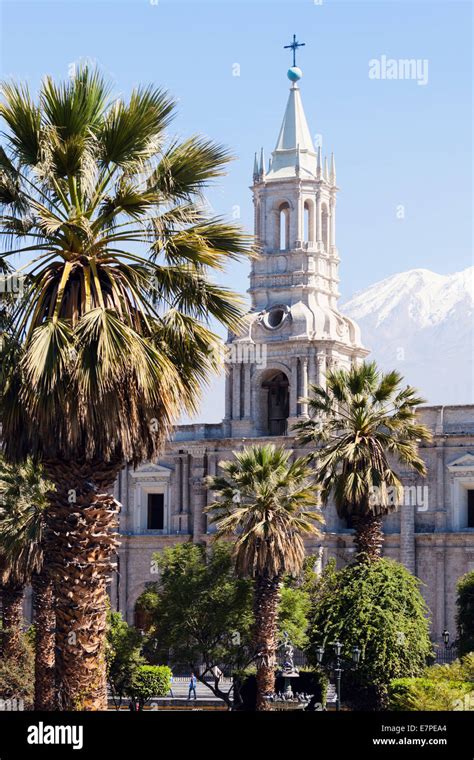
(421, 323)
(427, 297)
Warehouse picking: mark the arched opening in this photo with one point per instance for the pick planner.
(284, 226)
(325, 226)
(308, 222)
(277, 388)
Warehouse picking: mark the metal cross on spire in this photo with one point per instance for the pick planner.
(294, 47)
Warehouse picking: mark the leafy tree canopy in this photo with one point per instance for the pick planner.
(202, 611)
(379, 608)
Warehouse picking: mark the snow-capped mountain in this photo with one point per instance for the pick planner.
(421, 323)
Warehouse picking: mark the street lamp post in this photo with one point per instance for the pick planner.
(338, 672)
(337, 646)
(446, 638)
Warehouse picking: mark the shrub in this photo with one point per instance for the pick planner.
(442, 687)
(150, 681)
(459, 670)
(427, 694)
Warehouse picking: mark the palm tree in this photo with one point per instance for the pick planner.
(359, 423)
(111, 341)
(264, 503)
(24, 501)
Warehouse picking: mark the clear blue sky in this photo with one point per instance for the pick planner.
(395, 142)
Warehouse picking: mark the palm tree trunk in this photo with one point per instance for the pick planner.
(267, 595)
(368, 537)
(45, 620)
(81, 541)
(12, 601)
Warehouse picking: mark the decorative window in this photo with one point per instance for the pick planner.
(462, 492)
(276, 316)
(151, 500)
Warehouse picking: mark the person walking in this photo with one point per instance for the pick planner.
(192, 686)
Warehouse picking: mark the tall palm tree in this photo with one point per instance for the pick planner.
(24, 501)
(264, 502)
(359, 423)
(111, 341)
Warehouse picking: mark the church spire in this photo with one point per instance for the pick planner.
(262, 164)
(332, 175)
(294, 145)
(255, 168)
(319, 164)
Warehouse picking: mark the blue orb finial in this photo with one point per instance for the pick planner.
(294, 74)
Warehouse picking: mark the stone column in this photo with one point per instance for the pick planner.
(332, 225)
(321, 361)
(175, 494)
(184, 514)
(441, 518)
(312, 372)
(439, 613)
(198, 492)
(294, 387)
(263, 223)
(304, 385)
(228, 392)
(236, 392)
(247, 390)
(212, 460)
(407, 536)
(318, 218)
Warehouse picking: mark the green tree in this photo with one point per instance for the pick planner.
(264, 503)
(359, 423)
(377, 607)
(111, 341)
(22, 519)
(201, 613)
(123, 656)
(150, 681)
(465, 613)
(295, 604)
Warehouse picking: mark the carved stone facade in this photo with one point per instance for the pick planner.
(293, 333)
(432, 533)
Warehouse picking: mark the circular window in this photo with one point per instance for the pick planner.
(275, 317)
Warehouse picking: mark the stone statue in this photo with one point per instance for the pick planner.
(288, 653)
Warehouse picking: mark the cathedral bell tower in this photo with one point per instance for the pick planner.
(294, 331)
